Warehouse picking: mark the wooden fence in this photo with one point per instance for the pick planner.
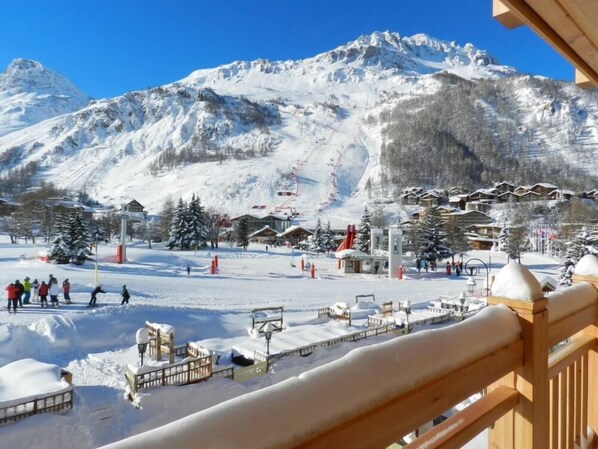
(183, 373)
(57, 403)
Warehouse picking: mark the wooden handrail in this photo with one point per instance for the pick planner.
(460, 428)
(389, 422)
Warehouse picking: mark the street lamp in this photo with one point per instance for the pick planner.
(407, 309)
(268, 331)
(462, 301)
(472, 271)
(142, 338)
(471, 285)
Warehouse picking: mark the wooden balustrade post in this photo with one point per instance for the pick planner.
(592, 377)
(158, 346)
(527, 426)
(171, 348)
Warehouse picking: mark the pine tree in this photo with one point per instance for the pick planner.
(516, 241)
(317, 239)
(179, 228)
(79, 239)
(328, 238)
(166, 215)
(503, 236)
(196, 223)
(59, 252)
(363, 240)
(243, 233)
(431, 236)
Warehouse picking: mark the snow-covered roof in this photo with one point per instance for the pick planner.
(545, 185)
(529, 192)
(27, 378)
(292, 229)
(351, 254)
(264, 231)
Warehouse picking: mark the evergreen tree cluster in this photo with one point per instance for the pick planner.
(188, 229)
(322, 240)
(72, 242)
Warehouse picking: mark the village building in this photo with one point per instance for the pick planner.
(255, 223)
(293, 235)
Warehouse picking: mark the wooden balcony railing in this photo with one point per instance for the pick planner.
(535, 397)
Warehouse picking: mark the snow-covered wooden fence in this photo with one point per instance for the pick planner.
(183, 373)
(57, 403)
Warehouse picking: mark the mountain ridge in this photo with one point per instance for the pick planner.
(239, 134)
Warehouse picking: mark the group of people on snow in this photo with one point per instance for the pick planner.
(21, 294)
(423, 264)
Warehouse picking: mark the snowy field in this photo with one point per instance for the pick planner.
(96, 344)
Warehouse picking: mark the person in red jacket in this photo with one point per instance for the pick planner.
(43, 294)
(12, 292)
(66, 290)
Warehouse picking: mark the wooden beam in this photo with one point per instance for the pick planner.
(530, 16)
(457, 430)
(505, 16)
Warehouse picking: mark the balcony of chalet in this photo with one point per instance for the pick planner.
(534, 359)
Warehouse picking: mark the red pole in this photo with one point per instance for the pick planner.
(302, 264)
(313, 271)
(212, 267)
(400, 272)
(339, 264)
(216, 260)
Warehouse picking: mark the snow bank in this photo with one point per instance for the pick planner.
(587, 266)
(568, 300)
(515, 281)
(322, 397)
(27, 379)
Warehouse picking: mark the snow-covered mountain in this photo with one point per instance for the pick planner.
(307, 135)
(31, 93)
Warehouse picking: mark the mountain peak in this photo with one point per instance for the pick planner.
(28, 76)
(412, 53)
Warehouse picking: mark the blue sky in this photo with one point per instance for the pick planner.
(110, 47)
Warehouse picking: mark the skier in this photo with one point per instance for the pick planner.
(19, 292)
(54, 291)
(66, 290)
(125, 295)
(188, 270)
(43, 294)
(11, 295)
(35, 288)
(26, 290)
(448, 268)
(94, 293)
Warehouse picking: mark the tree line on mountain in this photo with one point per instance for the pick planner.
(469, 133)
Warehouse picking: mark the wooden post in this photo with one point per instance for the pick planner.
(592, 385)
(158, 346)
(528, 426)
(171, 348)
